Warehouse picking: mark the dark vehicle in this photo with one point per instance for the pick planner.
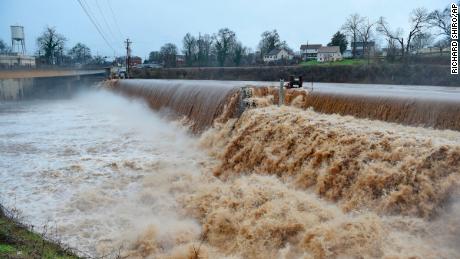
(294, 82)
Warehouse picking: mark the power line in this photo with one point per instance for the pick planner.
(95, 24)
(99, 24)
(105, 21)
(114, 18)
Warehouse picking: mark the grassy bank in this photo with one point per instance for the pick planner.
(348, 62)
(17, 242)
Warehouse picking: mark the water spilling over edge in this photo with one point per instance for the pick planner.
(290, 183)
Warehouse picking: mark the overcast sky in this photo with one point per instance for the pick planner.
(152, 23)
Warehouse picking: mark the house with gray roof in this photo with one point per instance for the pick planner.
(309, 51)
(363, 48)
(329, 54)
(278, 54)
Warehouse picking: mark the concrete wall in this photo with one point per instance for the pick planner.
(45, 87)
(13, 89)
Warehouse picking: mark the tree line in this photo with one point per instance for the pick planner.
(51, 50)
(220, 49)
(427, 29)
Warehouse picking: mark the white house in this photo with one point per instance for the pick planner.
(329, 54)
(278, 54)
(309, 51)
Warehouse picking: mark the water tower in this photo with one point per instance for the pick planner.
(18, 43)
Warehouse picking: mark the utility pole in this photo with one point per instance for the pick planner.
(128, 56)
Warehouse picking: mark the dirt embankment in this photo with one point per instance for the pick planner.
(375, 74)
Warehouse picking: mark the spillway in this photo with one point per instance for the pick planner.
(203, 101)
(436, 107)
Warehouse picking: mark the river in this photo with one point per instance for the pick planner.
(106, 175)
(78, 165)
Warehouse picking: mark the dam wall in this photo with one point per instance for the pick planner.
(12, 89)
(204, 101)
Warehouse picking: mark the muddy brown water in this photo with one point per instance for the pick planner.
(107, 174)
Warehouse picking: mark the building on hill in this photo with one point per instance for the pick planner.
(363, 48)
(180, 60)
(134, 61)
(309, 51)
(329, 54)
(277, 55)
(347, 53)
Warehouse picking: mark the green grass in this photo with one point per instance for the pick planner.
(18, 242)
(6, 249)
(349, 62)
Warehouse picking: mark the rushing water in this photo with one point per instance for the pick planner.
(79, 164)
(107, 175)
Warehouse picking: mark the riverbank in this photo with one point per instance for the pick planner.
(17, 241)
(378, 73)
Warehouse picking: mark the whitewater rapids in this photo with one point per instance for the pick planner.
(110, 177)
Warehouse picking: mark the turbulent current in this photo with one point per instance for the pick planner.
(110, 177)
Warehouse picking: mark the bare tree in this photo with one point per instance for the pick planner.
(51, 44)
(391, 36)
(391, 49)
(441, 20)
(224, 41)
(80, 53)
(154, 57)
(189, 49)
(419, 21)
(351, 28)
(269, 41)
(204, 44)
(98, 60)
(365, 33)
(238, 52)
(168, 54)
(421, 40)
